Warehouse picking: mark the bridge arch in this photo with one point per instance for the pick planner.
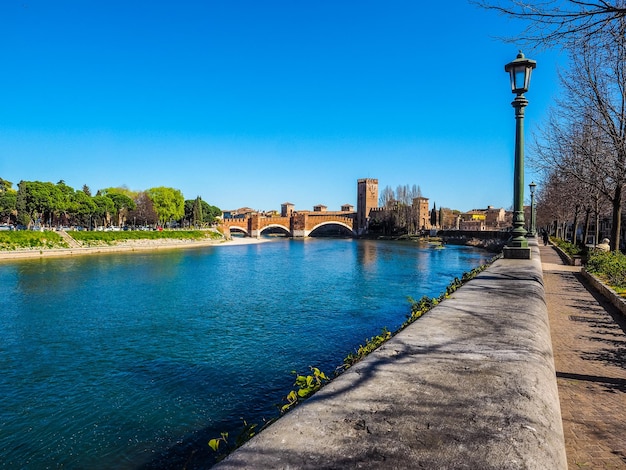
(237, 228)
(279, 226)
(333, 222)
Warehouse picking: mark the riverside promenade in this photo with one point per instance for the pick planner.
(589, 343)
(471, 385)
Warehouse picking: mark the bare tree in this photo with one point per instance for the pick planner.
(564, 22)
(585, 135)
(402, 194)
(386, 196)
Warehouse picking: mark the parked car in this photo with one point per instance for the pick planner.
(5, 227)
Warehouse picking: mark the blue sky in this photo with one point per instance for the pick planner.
(256, 103)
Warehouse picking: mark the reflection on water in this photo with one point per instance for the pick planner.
(123, 361)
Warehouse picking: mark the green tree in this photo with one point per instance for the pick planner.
(5, 185)
(8, 204)
(123, 204)
(210, 213)
(169, 203)
(64, 205)
(197, 211)
(37, 201)
(83, 208)
(104, 208)
(123, 199)
(433, 216)
(8, 200)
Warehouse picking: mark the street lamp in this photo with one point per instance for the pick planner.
(520, 70)
(533, 217)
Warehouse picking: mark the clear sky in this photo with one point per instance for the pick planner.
(255, 103)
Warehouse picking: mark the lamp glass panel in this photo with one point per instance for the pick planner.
(529, 71)
(519, 78)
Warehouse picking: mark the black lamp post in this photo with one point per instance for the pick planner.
(533, 215)
(520, 70)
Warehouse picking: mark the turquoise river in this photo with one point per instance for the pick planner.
(134, 361)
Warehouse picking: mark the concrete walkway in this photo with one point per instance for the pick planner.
(589, 346)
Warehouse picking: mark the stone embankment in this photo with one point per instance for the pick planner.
(492, 241)
(471, 385)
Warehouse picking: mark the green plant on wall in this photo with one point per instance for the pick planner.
(307, 386)
(224, 447)
(364, 349)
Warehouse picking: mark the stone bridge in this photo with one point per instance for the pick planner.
(298, 225)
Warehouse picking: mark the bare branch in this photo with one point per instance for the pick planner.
(560, 22)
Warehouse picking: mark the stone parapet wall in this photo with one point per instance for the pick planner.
(472, 384)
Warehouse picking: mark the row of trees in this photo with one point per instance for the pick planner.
(36, 202)
(581, 149)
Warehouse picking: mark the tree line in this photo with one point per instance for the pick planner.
(49, 204)
(581, 148)
(403, 195)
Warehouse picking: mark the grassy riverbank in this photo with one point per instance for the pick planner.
(112, 238)
(45, 245)
(49, 240)
(28, 240)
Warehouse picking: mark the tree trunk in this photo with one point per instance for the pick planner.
(617, 218)
(575, 225)
(586, 229)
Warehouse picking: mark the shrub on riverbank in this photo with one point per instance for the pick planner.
(111, 238)
(24, 240)
(567, 247)
(610, 266)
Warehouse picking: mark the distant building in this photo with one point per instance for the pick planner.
(287, 209)
(319, 208)
(483, 219)
(449, 218)
(240, 213)
(420, 205)
(347, 208)
(495, 218)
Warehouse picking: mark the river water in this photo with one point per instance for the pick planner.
(137, 360)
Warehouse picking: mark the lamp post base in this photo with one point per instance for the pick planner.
(515, 252)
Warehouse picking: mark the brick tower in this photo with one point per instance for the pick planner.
(366, 199)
